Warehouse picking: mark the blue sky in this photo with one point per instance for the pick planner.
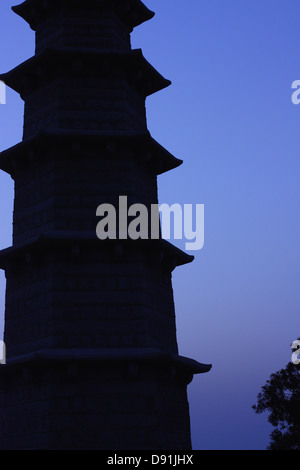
(229, 116)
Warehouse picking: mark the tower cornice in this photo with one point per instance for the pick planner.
(145, 149)
(68, 243)
(46, 65)
(131, 12)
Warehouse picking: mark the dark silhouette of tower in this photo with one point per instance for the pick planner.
(92, 357)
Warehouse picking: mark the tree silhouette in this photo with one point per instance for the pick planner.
(281, 398)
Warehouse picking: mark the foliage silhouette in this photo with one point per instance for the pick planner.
(280, 396)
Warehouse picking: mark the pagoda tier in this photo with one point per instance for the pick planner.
(61, 178)
(90, 330)
(91, 399)
(101, 24)
(66, 290)
(67, 89)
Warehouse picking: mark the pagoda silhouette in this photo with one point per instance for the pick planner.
(91, 351)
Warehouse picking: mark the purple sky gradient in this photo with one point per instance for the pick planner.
(229, 116)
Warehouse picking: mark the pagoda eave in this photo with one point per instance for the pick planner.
(132, 12)
(71, 244)
(139, 356)
(26, 77)
(144, 148)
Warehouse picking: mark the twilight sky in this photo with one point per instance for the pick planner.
(229, 116)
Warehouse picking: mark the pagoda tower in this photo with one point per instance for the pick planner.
(90, 335)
